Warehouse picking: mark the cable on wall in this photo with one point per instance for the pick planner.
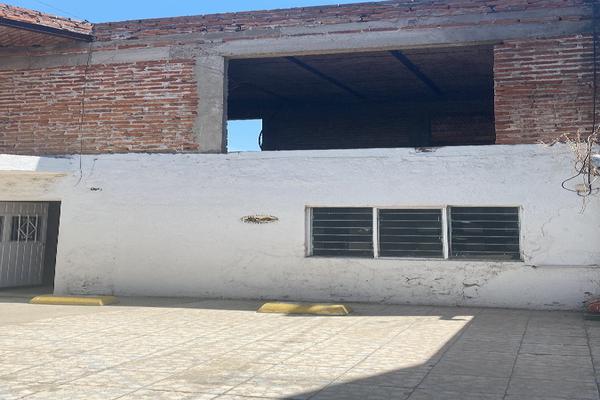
(82, 110)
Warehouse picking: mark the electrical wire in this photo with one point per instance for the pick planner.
(584, 168)
(82, 111)
(595, 62)
(59, 9)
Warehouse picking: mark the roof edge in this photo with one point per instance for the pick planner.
(45, 29)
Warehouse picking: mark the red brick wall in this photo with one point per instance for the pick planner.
(543, 88)
(459, 129)
(141, 107)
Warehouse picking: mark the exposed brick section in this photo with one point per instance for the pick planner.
(543, 88)
(14, 13)
(462, 129)
(142, 107)
(331, 15)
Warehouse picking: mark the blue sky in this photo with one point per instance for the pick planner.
(118, 10)
(242, 135)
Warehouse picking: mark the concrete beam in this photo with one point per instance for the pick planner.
(504, 18)
(552, 15)
(396, 39)
(317, 39)
(97, 57)
(210, 126)
(325, 77)
(130, 55)
(416, 71)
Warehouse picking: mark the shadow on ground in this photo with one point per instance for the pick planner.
(184, 347)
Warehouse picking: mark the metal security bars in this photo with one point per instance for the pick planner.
(484, 232)
(477, 233)
(344, 232)
(410, 233)
(22, 243)
(25, 228)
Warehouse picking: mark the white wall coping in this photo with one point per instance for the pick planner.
(65, 163)
(18, 164)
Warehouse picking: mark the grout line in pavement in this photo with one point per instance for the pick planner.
(452, 342)
(512, 370)
(362, 359)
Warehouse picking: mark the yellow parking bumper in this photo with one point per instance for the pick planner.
(74, 300)
(305, 308)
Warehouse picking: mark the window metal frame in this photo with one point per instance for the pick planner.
(445, 233)
(446, 227)
(441, 209)
(519, 227)
(309, 246)
(375, 232)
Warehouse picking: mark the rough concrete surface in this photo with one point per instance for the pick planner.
(170, 225)
(193, 349)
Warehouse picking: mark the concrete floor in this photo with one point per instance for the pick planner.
(184, 349)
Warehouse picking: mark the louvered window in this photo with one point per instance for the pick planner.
(410, 233)
(484, 233)
(346, 232)
(476, 233)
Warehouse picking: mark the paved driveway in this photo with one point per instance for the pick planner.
(184, 349)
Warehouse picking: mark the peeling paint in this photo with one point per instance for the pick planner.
(168, 224)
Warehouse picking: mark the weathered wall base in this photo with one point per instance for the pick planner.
(169, 225)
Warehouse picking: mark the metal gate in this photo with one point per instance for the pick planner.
(22, 242)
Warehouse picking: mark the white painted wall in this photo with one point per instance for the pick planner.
(169, 225)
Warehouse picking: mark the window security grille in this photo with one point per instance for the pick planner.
(484, 233)
(410, 233)
(346, 232)
(25, 228)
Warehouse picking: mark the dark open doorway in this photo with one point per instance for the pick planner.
(403, 98)
(51, 243)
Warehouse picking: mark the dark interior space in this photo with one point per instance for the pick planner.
(408, 98)
(51, 242)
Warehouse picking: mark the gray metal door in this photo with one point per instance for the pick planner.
(22, 242)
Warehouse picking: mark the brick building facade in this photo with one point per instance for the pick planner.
(407, 167)
(135, 87)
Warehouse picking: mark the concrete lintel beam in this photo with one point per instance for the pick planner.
(130, 55)
(97, 57)
(300, 42)
(396, 39)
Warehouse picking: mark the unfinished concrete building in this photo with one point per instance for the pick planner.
(400, 153)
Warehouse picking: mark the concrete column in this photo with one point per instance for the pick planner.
(210, 127)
